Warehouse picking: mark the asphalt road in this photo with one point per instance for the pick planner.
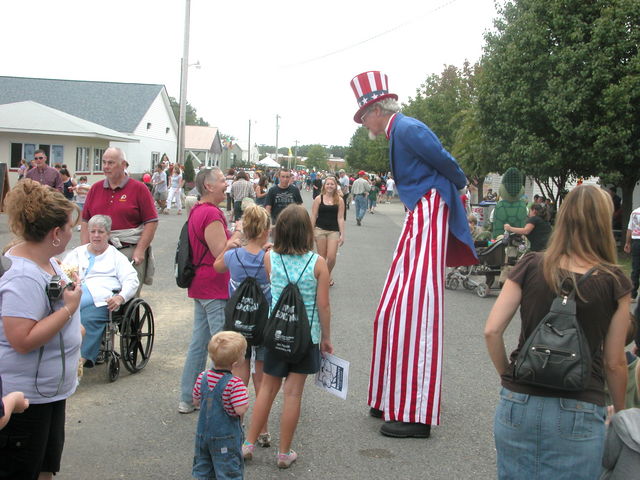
(131, 429)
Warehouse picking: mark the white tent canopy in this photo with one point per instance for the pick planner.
(268, 162)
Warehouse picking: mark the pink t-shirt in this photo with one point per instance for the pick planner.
(207, 284)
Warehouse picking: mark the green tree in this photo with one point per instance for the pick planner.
(559, 93)
(366, 154)
(317, 157)
(440, 100)
(191, 116)
(189, 171)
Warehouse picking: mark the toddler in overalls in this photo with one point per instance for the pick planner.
(223, 399)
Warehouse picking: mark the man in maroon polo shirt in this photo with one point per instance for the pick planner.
(130, 205)
(43, 173)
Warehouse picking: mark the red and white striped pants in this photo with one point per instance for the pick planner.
(406, 366)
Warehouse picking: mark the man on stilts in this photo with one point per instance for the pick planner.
(406, 365)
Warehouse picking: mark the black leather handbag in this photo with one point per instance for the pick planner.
(556, 355)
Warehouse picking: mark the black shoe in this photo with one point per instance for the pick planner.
(100, 359)
(358, 222)
(375, 413)
(405, 430)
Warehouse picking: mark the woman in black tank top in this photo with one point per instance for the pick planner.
(327, 218)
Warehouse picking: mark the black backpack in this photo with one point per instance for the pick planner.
(288, 332)
(247, 310)
(184, 267)
(556, 355)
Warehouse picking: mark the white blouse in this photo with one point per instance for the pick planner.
(111, 270)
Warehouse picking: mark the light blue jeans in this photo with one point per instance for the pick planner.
(361, 206)
(208, 319)
(544, 438)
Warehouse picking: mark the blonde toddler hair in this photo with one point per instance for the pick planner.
(226, 348)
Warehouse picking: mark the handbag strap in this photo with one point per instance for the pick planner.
(571, 294)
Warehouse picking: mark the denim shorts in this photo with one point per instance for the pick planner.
(260, 353)
(548, 437)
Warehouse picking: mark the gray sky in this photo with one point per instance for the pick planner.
(259, 58)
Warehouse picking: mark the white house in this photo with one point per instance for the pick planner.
(202, 145)
(138, 117)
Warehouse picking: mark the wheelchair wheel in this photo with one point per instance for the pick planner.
(113, 367)
(136, 335)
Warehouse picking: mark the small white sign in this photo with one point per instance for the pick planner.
(333, 375)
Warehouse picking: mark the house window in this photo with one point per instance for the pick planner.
(97, 159)
(29, 151)
(82, 159)
(148, 125)
(16, 154)
(166, 130)
(57, 154)
(155, 159)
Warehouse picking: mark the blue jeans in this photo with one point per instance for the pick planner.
(543, 438)
(208, 319)
(361, 206)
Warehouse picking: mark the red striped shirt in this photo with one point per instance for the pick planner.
(234, 394)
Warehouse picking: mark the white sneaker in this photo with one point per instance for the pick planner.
(184, 407)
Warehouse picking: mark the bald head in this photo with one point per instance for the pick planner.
(113, 165)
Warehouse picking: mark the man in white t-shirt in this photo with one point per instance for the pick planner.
(632, 246)
(391, 185)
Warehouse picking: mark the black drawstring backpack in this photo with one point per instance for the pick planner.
(288, 332)
(247, 310)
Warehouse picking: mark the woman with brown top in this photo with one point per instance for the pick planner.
(542, 433)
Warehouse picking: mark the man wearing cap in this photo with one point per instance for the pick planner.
(360, 189)
(406, 365)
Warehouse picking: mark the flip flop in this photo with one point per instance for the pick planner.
(331, 283)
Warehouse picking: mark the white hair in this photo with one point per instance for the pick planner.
(103, 221)
(388, 105)
(119, 151)
(205, 176)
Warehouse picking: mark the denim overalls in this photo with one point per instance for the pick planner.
(218, 436)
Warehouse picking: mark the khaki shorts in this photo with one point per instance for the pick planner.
(328, 234)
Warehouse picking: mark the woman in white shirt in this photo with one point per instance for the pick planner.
(175, 191)
(101, 269)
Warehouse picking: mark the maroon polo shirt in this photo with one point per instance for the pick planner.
(129, 205)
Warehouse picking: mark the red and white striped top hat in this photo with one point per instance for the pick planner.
(370, 87)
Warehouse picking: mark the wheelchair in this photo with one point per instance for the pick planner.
(134, 324)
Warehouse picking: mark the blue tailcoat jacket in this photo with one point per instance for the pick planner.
(419, 163)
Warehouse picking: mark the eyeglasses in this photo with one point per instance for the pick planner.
(38, 158)
(365, 114)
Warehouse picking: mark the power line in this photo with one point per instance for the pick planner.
(362, 42)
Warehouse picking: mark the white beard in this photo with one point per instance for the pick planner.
(371, 135)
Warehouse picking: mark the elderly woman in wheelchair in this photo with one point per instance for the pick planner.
(103, 270)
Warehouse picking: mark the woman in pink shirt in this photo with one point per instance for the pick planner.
(208, 236)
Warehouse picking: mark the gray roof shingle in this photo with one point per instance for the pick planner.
(119, 106)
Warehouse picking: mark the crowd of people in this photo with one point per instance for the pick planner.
(265, 233)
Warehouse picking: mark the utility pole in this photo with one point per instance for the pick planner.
(183, 84)
(295, 153)
(249, 150)
(277, 129)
